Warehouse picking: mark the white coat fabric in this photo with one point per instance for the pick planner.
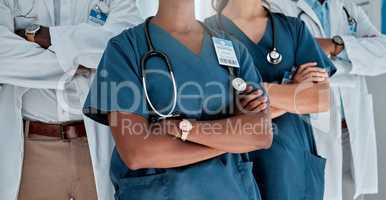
(366, 50)
(25, 65)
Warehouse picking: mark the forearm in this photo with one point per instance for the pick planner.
(277, 112)
(238, 134)
(142, 145)
(301, 98)
(164, 151)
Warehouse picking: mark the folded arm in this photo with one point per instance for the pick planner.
(23, 63)
(83, 44)
(150, 148)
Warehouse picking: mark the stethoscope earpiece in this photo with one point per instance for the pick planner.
(274, 57)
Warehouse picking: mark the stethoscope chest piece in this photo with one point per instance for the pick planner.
(239, 84)
(274, 57)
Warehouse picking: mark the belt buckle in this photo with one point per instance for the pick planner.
(61, 132)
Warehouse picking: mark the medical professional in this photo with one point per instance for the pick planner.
(44, 152)
(345, 135)
(167, 88)
(296, 73)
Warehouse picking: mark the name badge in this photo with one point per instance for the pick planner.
(225, 51)
(98, 15)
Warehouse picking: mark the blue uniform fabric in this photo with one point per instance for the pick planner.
(226, 177)
(291, 169)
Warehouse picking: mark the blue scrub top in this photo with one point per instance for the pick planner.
(118, 87)
(291, 169)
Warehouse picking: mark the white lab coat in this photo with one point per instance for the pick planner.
(25, 65)
(368, 58)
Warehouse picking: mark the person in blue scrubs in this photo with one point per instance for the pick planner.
(156, 158)
(291, 169)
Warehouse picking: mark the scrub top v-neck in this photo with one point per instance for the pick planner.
(291, 169)
(226, 177)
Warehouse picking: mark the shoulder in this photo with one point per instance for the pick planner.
(128, 37)
(291, 25)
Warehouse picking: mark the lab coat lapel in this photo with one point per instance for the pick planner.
(304, 7)
(50, 8)
(335, 12)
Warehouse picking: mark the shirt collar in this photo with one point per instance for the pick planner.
(316, 5)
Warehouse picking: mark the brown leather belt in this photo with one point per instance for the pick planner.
(344, 124)
(64, 131)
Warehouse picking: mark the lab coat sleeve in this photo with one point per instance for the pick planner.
(83, 44)
(23, 63)
(366, 48)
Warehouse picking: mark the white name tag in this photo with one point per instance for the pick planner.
(225, 51)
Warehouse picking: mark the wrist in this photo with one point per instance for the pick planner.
(338, 44)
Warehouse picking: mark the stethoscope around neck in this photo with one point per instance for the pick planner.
(274, 56)
(238, 84)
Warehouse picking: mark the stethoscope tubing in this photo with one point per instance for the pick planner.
(154, 53)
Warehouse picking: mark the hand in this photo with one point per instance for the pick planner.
(43, 37)
(310, 72)
(84, 71)
(329, 46)
(20, 33)
(251, 101)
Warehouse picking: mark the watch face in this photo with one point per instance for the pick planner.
(186, 125)
(32, 29)
(338, 40)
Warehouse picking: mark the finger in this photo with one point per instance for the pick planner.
(260, 108)
(248, 90)
(305, 66)
(253, 104)
(313, 69)
(315, 79)
(315, 74)
(246, 99)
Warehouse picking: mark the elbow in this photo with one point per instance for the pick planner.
(134, 161)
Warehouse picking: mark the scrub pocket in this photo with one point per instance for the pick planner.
(315, 170)
(139, 188)
(245, 169)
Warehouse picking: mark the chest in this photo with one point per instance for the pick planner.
(203, 86)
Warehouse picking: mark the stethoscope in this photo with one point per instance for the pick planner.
(238, 84)
(352, 22)
(273, 56)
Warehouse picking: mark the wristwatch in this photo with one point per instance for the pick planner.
(339, 44)
(31, 31)
(185, 127)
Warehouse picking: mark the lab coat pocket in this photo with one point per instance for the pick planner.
(143, 187)
(315, 170)
(245, 169)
